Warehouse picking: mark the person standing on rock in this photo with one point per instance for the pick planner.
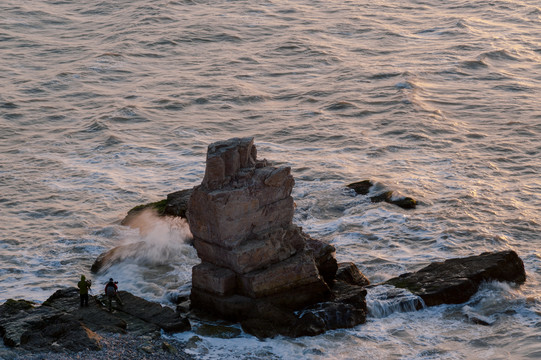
(84, 285)
(111, 291)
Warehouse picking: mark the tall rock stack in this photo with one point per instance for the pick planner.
(252, 254)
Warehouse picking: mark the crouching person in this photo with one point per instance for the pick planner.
(111, 290)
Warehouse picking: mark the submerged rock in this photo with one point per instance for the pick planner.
(364, 187)
(454, 281)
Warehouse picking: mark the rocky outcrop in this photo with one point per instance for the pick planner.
(379, 194)
(454, 281)
(175, 204)
(349, 272)
(116, 255)
(59, 324)
(257, 266)
(241, 220)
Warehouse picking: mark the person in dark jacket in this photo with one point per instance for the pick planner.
(111, 291)
(84, 285)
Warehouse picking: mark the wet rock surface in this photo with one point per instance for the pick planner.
(59, 324)
(454, 281)
(175, 204)
(379, 194)
(116, 255)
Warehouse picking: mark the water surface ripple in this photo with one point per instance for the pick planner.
(108, 104)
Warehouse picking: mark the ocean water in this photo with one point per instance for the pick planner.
(105, 105)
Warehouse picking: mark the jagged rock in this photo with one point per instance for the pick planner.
(37, 327)
(241, 220)
(153, 313)
(214, 279)
(346, 309)
(59, 332)
(324, 256)
(59, 324)
(364, 188)
(226, 217)
(93, 316)
(349, 273)
(454, 281)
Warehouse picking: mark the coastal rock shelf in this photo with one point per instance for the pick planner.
(59, 324)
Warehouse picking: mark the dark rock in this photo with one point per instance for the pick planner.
(336, 315)
(94, 316)
(324, 256)
(168, 348)
(454, 281)
(13, 316)
(387, 299)
(217, 331)
(37, 327)
(349, 273)
(361, 187)
(267, 321)
(116, 255)
(158, 206)
(346, 309)
(403, 202)
(59, 332)
(60, 324)
(166, 318)
(364, 187)
(174, 205)
(477, 320)
(177, 203)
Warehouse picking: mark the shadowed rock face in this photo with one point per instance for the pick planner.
(241, 220)
(60, 324)
(454, 281)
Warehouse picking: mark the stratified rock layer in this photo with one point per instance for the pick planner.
(241, 220)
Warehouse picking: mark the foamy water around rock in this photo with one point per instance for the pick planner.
(107, 105)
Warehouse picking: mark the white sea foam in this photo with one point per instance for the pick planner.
(99, 116)
(161, 265)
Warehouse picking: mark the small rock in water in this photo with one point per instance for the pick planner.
(364, 187)
(454, 281)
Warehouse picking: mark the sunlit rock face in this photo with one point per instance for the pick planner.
(241, 220)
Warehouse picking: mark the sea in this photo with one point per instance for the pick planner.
(108, 104)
